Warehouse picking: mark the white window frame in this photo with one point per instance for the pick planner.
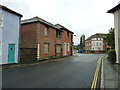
(46, 32)
(46, 48)
(68, 47)
(58, 48)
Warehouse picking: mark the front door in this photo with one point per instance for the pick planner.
(11, 53)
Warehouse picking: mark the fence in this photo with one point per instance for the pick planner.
(28, 55)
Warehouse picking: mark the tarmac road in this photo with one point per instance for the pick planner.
(71, 72)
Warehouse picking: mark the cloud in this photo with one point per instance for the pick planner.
(80, 16)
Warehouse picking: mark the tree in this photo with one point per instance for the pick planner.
(77, 47)
(82, 41)
(110, 38)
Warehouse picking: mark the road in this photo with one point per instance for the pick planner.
(70, 72)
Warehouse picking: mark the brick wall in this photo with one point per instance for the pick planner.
(29, 38)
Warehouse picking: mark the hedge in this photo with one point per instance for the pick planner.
(112, 56)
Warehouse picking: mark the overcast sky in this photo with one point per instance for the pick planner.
(80, 16)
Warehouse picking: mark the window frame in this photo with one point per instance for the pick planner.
(58, 48)
(46, 31)
(46, 51)
(58, 34)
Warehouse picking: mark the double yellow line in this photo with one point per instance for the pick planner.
(93, 87)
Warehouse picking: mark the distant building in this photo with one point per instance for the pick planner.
(9, 35)
(116, 11)
(96, 43)
(49, 40)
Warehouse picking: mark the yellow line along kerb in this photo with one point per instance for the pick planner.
(93, 87)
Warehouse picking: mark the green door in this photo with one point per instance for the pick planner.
(11, 53)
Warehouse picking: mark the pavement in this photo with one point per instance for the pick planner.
(110, 75)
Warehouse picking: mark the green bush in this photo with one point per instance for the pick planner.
(92, 51)
(112, 56)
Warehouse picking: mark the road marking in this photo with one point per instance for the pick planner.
(93, 87)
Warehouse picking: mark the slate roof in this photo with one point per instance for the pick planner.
(114, 9)
(37, 19)
(9, 10)
(62, 27)
(97, 35)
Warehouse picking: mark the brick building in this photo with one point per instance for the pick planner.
(49, 40)
(96, 43)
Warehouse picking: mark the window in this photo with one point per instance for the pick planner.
(46, 32)
(58, 34)
(1, 20)
(68, 47)
(96, 44)
(58, 48)
(46, 48)
(68, 34)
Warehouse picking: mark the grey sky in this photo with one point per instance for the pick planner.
(80, 16)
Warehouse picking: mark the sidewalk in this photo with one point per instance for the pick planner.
(109, 75)
(14, 65)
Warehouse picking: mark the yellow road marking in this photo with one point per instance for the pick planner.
(93, 87)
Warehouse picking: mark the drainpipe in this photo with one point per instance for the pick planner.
(38, 39)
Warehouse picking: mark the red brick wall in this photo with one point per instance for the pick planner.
(28, 35)
(28, 39)
(50, 38)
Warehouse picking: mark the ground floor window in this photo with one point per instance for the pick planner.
(58, 48)
(46, 47)
(68, 47)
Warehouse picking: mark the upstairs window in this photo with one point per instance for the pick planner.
(58, 34)
(46, 31)
(68, 34)
(1, 20)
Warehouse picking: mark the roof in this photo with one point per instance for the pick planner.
(62, 27)
(37, 19)
(114, 9)
(9, 10)
(97, 35)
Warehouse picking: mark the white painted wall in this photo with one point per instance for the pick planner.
(0, 38)
(97, 47)
(10, 35)
(117, 34)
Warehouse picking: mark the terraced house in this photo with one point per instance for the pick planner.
(116, 11)
(96, 43)
(9, 35)
(49, 40)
